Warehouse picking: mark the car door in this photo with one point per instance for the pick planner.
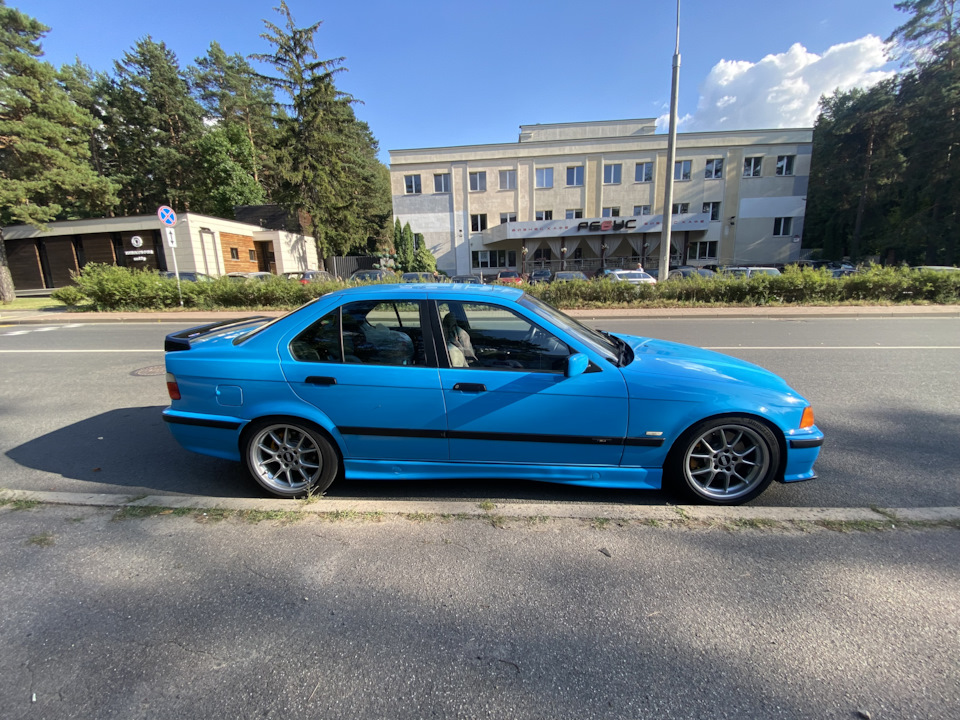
(508, 399)
(367, 366)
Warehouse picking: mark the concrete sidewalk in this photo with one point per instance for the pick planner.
(197, 317)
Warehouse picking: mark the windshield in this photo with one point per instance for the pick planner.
(256, 331)
(588, 336)
(635, 275)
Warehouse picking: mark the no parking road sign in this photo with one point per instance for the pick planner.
(167, 216)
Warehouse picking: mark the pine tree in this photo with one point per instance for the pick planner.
(406, 252)
(233, 94)
(45, 171)
(325, 159)
(150, 128)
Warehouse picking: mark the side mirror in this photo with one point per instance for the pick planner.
(576, 365)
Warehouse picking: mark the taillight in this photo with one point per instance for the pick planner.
(806, 420)
(172, 388)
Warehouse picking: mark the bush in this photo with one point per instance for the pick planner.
(69, 295)
(108, 287)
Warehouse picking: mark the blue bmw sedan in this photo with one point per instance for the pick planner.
(441, 381)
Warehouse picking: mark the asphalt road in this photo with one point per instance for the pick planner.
(81, 409)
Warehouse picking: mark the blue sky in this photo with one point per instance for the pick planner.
(434, 74)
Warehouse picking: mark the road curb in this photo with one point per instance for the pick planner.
(582, 511)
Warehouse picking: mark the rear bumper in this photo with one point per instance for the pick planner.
(214, 435)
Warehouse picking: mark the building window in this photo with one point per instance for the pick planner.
(751, 166)
(508, 179)
(507, 217)
(234, 253)
(611, 174)
(574, 214)
(641, 210)
(544, 215)
(544, 177)
(575, 176)
(681, 170)
(610, 212)
(785, 164)
(703, 250)
(713, 208)
(253, 256)
(643, 172)
(494, 258)
(681, 208)
(782, 226)
(478, 182)
(714, 169)
(441, 183)
(542, 255)
(478, 223)
(411, 184)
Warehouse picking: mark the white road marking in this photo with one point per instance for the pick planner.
(27, 352)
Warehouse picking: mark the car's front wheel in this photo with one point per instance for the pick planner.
(289, 458)
(725, 461)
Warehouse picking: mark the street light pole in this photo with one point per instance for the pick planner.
(664, 268)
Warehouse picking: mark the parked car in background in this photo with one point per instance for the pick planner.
(240, 276)
(308, 276)
(747, 271)
(937, 268)
(188, 276)
(467, 279)
(634, 277)
(419, 277)
(688, 270)
(374, 275)
(356, 386)
(569, 275)
(541, 275)
(509, 277)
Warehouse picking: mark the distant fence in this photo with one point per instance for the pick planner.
(344, 266)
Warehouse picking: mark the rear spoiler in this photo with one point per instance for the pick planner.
(181, 340)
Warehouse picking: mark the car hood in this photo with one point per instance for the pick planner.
(695, 365)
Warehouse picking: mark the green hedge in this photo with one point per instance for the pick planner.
(106, 287)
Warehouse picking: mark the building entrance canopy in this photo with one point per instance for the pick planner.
(581, 227)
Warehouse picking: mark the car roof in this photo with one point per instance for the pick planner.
(393, 290)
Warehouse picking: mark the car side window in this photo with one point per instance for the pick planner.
(383, 333)
(490, 337)
(320, 342)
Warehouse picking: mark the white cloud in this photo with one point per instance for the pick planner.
(782, 91)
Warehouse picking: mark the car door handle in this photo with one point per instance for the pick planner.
(320, 380)
(470, 387)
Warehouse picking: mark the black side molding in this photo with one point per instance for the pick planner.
(199, 422)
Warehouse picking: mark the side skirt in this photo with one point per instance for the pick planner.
(589, 476)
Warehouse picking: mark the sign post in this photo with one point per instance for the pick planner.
(169, 219)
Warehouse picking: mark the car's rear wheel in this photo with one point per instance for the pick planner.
(290, 458)
(725, 461)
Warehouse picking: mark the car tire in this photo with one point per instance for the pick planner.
(290, 458)
(724, 461)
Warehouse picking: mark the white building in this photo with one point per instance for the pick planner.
(44, 259)
(586, 195)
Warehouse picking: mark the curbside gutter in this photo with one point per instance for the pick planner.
(703, 514)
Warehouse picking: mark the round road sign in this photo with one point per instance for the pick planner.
(167, 216)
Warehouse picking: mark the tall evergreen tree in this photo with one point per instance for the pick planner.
(150, 126)
(45, 171)
(326, 159)
(232, 93)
